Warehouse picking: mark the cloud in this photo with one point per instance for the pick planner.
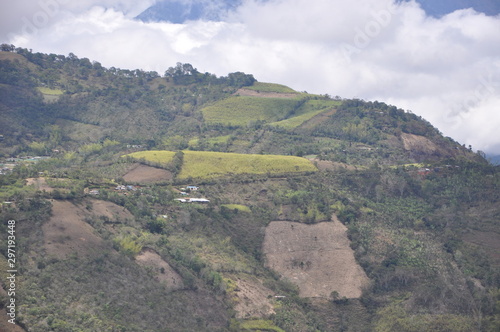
(29, 16)
(445, 69)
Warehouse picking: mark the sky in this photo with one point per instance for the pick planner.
(445, 68)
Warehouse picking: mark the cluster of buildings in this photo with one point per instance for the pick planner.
(186, 191)
(125, 188)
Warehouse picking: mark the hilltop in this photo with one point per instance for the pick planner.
(184, 201)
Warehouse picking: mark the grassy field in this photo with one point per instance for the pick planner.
(241, 208)
(243, 110)
(205, 164)
(260, 325)
(270, 87)
(160, 157)
(307, 111)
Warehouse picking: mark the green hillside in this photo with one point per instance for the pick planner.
(184, 201)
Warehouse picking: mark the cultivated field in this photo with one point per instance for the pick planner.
(206, 164)
(160, 157)
(310, 109)
(147, 174)
(244, 110)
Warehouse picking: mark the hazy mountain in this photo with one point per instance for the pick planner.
(179, 11)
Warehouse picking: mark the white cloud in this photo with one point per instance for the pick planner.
(447, 69)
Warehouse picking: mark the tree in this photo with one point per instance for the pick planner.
(7, 48)
(240, 79)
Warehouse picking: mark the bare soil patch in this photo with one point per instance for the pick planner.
(418, 143)
(147, 174)
(68, 233)
(109, 210)
(39, 184)
(5, 326)
(161, 270)
(253, 299)
(253, 93)
(317, 258)
(4, 319)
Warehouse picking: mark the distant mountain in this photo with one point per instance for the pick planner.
(178, 11)
(495, 160)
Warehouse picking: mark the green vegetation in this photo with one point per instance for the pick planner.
(306, 112)
(201, 143)
(260, 325)
(128, 246)
(203, 164)
(238, 207)
(243, 110)
(270, 87)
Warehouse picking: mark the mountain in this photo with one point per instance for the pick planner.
(180, 11)
(190, 202)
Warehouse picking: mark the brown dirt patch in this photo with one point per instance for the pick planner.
(418, 143)
(317, 258)
(161, 270)
(253, 93)
(110, 210)
(147, 174)
(5, 326)
(68, 233)
(252, 299)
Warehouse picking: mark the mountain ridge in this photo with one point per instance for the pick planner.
(141, 206)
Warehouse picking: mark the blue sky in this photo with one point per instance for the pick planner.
(445, 68)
